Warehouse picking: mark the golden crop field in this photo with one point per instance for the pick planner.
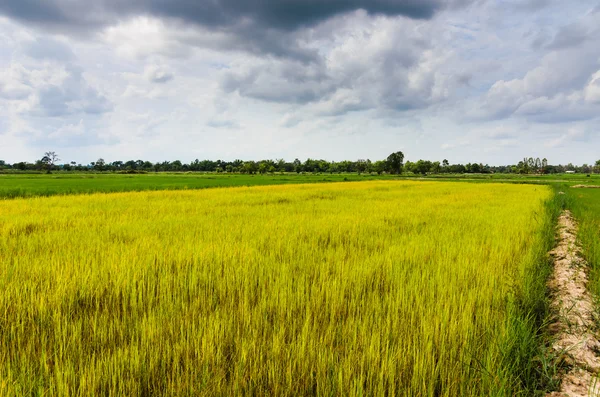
(371, 288)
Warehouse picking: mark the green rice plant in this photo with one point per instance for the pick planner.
(585, 204)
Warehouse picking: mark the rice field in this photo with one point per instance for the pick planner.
(586, 207)
(371, 288)
(18, 185)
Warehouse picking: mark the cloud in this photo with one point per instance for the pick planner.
(50, 91)
(367, 63)
(74, 95)
(158, 74)
(282, 14)
(570, 36)
(221, 123)
(14, 83)
(252, 26)
(529, 5)
(592, 89)
(278, 81)
(572, 135)
(45, 48)
(560, 89)
(68, 131)
(296, 78)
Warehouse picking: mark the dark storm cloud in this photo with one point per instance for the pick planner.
(281, 15)
(264, 27)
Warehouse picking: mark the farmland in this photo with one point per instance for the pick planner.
(13, 185)
(31, 185)
(586, 205)
(378, 287)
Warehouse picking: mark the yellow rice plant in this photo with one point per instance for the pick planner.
(374, 288)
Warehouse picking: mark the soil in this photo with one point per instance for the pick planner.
(574, 327)
(586, 186)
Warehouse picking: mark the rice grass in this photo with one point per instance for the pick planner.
(371, 288)
(586, 208)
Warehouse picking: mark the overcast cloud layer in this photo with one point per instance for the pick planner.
(468, 80)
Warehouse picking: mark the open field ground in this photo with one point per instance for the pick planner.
(396, 287)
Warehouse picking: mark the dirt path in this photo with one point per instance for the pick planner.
(574, 327)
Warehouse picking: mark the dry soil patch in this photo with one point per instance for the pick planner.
(574, 328)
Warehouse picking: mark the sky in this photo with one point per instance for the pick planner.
(488, 81)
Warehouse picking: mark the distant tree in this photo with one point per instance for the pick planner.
(584, 169)
(49, 160)
(100, 163)
(395, 162)
(538, 165)
(262, 168)
(379, 166)
(249, 167)
(333, 167)
(530, 164)
(445, 165)
(297, 166)
(422, 167)
(175, 165)
(597, 167)
(361, 166)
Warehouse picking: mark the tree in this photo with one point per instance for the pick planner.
(249, 167)
(445, 164)
(395, 161)
(49, 160)
(100, 163)
(297, 166)
(175, 165)
(422, 167)
(531, 164)
(379, 166)
(361, 166)
(538, 165)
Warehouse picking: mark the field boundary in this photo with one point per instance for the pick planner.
(573, 328)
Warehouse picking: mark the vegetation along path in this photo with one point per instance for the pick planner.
(573, 328)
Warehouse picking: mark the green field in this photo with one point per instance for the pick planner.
(30, 185)
(585, 204)
(14, 185)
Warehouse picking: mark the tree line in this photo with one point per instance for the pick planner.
(393, 164)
